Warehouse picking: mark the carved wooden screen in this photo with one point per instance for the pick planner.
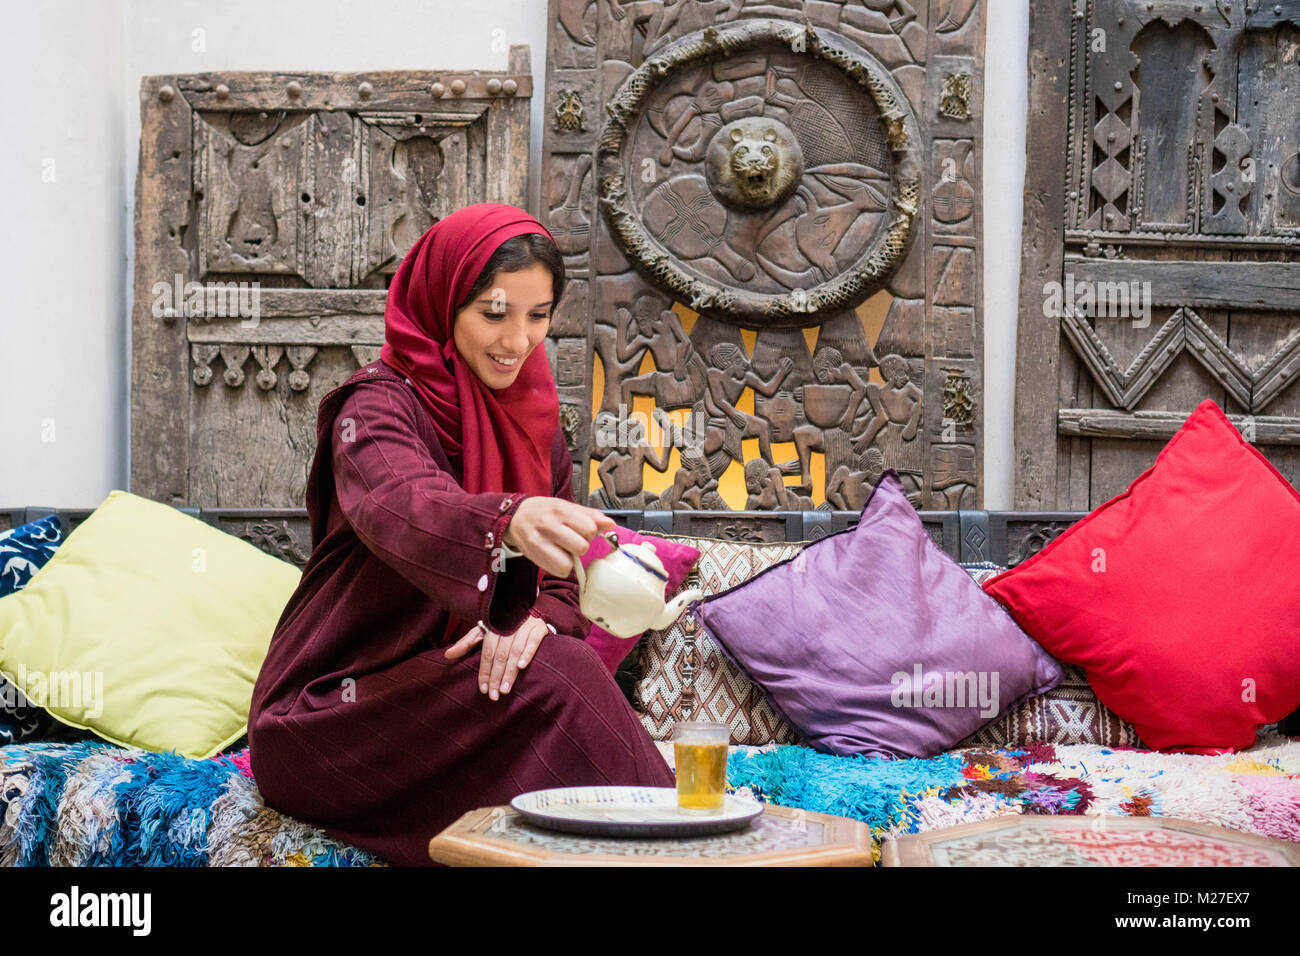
(1162, 222)
(272, 210)
(770, 214)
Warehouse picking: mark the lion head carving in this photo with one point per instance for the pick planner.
(753, 162)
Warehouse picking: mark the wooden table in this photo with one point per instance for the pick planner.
(1086, 840)
(498, 836)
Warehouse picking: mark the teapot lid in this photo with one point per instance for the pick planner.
(643, 553)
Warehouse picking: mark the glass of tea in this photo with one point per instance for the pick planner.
(700, 753)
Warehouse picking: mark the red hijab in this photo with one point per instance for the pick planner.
(500, 438)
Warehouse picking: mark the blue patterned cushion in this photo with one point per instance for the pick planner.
(24, 551)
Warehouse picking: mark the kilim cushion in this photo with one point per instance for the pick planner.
(720, 690)
(1068, 714)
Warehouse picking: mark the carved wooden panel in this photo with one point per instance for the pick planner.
(1161, 237)
(1002, 537)
(770, 214)
(272, 210)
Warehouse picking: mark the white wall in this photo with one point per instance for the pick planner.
(1006, 112)
(67, 258)
(63, 391)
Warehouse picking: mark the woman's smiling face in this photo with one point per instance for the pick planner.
(497, 331)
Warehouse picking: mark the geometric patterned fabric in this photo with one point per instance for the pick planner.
(684, 658)
(685, 675)
(1069, 713)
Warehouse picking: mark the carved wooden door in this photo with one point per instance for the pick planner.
(770, 213)
(272, 210)
(1162, 237)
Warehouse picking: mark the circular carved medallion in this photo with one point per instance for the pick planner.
(763, 171)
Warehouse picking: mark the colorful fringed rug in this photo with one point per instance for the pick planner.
(92, 803)
(1255, 791)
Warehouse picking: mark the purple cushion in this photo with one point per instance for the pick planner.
(874, 641)
(678, 560)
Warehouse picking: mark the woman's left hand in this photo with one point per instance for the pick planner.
(504, 655)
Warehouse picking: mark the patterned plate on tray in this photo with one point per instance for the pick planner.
(629, 811)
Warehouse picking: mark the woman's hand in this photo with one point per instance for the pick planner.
(550, 531)
(504, 656)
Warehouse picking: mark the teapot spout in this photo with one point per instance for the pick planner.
(673, 609)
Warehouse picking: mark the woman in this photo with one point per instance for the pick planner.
(418, 672)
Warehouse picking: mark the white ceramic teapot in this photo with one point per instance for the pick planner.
(624, 591)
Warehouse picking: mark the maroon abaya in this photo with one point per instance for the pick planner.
(359, 725)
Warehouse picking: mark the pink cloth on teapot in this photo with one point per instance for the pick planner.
(678, 559)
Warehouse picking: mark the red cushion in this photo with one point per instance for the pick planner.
(1180, 598)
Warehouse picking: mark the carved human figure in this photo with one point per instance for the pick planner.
(690, 434)
(768, 492)
(620, 347)
(836, 381)
(604, 442)
(897, 419)
(820, 223)
(728, 376)
(715, 104)
(679, 374)
(694, 488)
(623, 461)
(657, 15)
(900, 12)
(848, 489)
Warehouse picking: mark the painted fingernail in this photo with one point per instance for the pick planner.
(505, 688)
(482, 688)
(493, 695)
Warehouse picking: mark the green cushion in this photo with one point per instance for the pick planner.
(147, 627)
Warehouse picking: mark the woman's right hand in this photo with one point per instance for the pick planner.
(550, 531)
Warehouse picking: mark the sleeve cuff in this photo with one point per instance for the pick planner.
(549, 626)
(508, 588)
